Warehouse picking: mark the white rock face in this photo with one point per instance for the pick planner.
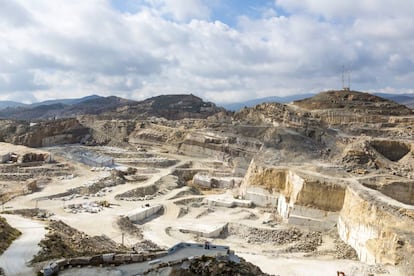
(357, 237)
(143, 213)
(261, 197)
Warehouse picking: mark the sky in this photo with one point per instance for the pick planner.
(221, 50)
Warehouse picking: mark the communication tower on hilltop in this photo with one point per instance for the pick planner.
(346, 79)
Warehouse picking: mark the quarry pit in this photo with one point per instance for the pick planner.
(275, 188)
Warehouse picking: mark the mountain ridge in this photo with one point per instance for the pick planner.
(171, 106)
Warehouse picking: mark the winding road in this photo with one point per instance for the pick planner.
(15, 259)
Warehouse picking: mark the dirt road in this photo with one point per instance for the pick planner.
(15, 259)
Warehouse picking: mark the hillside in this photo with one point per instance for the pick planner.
(353, 101)
(6, 104)
(250, 103)
(7, 235)
(66, 101)
(65, 108)
(171, 107)
(405, 99)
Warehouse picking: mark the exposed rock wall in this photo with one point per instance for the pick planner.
(376, 226)
(297, 188)
(393, 150)
(270, 179)
(321, 195)
(47, 133)
(402, 191)
(335, 117)
(221, 147)
(299, 199)
(375, 229)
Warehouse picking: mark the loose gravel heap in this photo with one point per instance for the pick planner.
(309, 242)
(206, 266)
(63, 241)
(146, 246)
(344, 251)
(274, 236)
(30, 213)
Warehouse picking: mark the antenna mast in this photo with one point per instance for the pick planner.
(348, 72)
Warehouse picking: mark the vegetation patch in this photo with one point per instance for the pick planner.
(7, 235)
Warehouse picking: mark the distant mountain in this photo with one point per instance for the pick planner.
(65, 108)
(405, 99)
(250, 103)
(66, 101)
(171, 107)
(6, 104)
(13, 104)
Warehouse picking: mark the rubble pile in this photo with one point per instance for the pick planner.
(275, 236)
(88, 207)
(63, 241)
(31, 213)
(214, 266)
(97, 188)
(146, 246)
(126, 225)
(344, 251)
(161, 187)
(308, 243)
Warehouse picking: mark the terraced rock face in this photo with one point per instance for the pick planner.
(43, 134)
(398, 188)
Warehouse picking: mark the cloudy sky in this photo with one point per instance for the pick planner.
(221, 50)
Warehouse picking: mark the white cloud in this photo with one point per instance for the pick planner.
(350, 8)
(70, 49)
(181, 10)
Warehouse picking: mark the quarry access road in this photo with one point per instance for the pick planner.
(16, 258)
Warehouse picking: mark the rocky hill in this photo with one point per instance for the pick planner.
(171, 107)
(353, 101)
